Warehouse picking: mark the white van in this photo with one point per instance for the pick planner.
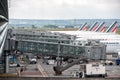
(33, 61)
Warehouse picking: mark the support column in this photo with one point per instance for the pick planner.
(6, 63)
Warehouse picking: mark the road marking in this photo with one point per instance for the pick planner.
(44, 74)
(8, 75)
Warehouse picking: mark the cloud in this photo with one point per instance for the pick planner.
(64, 9)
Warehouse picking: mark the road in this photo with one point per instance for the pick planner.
(43, 70)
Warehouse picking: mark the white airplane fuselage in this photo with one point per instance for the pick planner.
(111, 40)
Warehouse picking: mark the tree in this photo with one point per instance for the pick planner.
(50, 26)
(33, 26)
(118, 31)
(69, 26)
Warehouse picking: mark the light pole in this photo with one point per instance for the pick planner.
(58, 54)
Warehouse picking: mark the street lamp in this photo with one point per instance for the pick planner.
(58, 54)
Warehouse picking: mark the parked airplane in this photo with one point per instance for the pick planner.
(111, 40)
(99, 28)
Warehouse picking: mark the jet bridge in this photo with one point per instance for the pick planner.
(93, 51)
(46, 43)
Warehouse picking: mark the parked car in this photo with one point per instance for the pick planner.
(33, 61)
(107, 62)
(16, 65)
(50, 62)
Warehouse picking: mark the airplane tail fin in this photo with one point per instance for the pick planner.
(81, 28)
(99, 27)
(94, 29)
(94, 24)
(112, 27)
(85, 28)
(102, 29)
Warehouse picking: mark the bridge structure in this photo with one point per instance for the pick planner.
(55, 44)
(46, 43)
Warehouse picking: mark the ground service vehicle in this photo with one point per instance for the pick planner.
(117, 61)
(33, 61)
(93, 70)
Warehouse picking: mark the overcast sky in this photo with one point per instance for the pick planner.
(64, 9)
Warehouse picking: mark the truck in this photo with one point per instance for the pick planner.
(93, 70)
(117, 61)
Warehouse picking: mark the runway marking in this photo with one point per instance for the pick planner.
(44, 74)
